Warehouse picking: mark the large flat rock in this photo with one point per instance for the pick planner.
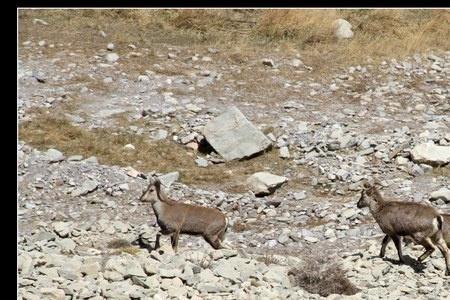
(233, 136)
(431, 154)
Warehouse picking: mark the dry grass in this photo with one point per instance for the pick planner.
(305, 26)
(268, 259)
(379, 33)
(118, 243)
(238, 226)
(318, 276)
(48, 131)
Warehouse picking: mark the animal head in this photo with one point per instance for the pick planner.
(150, 194)
(368, 193)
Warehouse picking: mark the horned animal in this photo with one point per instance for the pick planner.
(174, 218)
(420, 222)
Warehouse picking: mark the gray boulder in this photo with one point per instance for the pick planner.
(233, 136)
(264, 183)
(431, 154)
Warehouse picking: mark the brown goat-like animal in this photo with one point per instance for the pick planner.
(174, 218)
(422, 223)
(445, 231)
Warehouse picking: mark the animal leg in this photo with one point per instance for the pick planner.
(214, 241)
(429, 248)
(398, 244)
(158, 237)
(174, 240)
(384, 243)
(442, 246)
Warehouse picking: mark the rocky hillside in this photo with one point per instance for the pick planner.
(91, 119)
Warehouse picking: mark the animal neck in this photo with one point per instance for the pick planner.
(377, 202)
(157, 208)
(162, 196)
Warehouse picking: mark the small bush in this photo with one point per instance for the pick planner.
(238, 226)
(319, 277)
(118, 243)
(268, 259)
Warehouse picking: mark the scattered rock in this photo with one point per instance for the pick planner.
(112, 57)
(87, 186)
(268, 62)
(264, 183)
(284, 152)
(129, 147)
(342, 29)
(431, 154)
(53, 155)
(233, 136)
(442, 193)
(201, 162)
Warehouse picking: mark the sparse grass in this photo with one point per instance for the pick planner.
(238, 226)
(121, 246)
(48, 131)
(379, 34)
(268, 259)
(318, 276)
(443, 171)
(118, 243)
(314, 222)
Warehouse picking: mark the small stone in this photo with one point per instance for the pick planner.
(420, 107)
(268, 62)
(42, 43)
(110, 46)
(201, 162)
(53, 155)
(442, 193)
(193, 108)
(129, 147)
(342, 29)
(284, 152)
(87, 186)
(143, 78)
(66, 245)
(264, 183)
(107, 80)
(112, 57)
(159, 134)
(300, 195)
(62, 229)
(171, 55)
(52, 293)
(91, 159)
(296, 63)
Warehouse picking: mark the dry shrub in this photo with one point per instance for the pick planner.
(268, 259)
(320, 276)
(306, 26)
(238, 226)
(118, 243)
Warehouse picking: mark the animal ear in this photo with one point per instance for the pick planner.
(366, 185)
(157, 181)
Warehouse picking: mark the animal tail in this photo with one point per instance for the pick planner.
(440, 220)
